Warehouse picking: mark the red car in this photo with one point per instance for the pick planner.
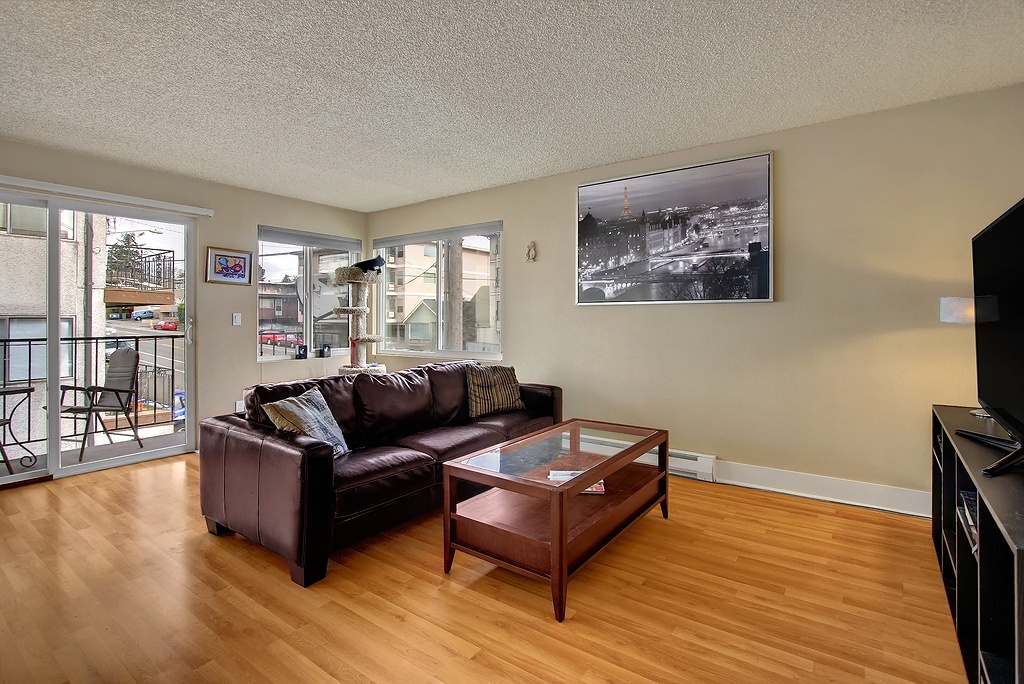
(270, 336)
(167, 324)
(281, 339)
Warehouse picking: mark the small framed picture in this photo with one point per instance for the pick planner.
(228, 266)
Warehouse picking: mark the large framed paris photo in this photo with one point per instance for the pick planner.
(696, 234)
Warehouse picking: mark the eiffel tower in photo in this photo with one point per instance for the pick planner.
(626, 213)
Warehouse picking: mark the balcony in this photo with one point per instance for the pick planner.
(159, 409)
(148, 277)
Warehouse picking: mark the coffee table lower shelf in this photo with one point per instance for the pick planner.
(514, 530)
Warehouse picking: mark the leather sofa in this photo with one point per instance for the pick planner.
(288, 493)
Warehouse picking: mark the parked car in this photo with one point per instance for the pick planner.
(166, 324)
(139, 315)
(110, 330)
(280, 338)
(111, 346)
(270, 336)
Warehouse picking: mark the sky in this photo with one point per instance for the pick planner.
(171, 235)
(707, 184)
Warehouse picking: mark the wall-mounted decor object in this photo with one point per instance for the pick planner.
(228, 266)
(695, 234)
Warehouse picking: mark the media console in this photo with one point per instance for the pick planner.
(978, 532)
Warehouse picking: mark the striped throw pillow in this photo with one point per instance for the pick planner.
(493, 389)
(308, 414)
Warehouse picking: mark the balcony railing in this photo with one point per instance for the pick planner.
(159, 397)
(147, 269)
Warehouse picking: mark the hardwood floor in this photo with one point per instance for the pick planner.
(112, 577)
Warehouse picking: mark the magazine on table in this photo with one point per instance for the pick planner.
(563, 475)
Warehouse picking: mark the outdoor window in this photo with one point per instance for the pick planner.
(69, 220)
(25, 220)
(444, 293)
(297, 295)
(23, 348)
(21, 219)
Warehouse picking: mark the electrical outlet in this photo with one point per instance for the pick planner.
(239, 406)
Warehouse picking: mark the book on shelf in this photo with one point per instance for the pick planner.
(970, 500)
(969, 511)
(563, 475)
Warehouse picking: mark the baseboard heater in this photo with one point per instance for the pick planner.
(682, 463)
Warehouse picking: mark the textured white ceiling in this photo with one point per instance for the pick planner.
(373, 104)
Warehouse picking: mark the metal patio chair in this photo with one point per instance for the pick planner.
(116, 396)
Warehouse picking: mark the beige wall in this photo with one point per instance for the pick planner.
(873, 220)
(226, 354)
(873, 217)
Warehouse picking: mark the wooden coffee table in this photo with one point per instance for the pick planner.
(547, 529)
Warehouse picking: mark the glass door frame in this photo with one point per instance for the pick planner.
(52, 306)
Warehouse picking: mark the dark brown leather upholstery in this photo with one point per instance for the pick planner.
(364, 478)
(271, 487)
(513, 424)
(338, 391)
(452, 441)
(394, 404)
(286, 491)
(448, 385)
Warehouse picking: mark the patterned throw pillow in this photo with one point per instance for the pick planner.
(308, 414)
(493, 389)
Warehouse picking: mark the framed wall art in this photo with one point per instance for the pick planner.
(695, 234)
(228, 266)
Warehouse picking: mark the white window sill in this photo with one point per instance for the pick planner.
(442, 355)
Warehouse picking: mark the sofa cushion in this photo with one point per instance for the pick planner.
(513, 424)
(451, 441)
(493, 389)
(448, 385)
(258, 395)
(365, 478)
(308, 414)
(339, 392)
(394, 404)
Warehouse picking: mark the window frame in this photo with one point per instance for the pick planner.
(400, 243)
(311, 245)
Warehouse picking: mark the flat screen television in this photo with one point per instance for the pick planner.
(998, 255)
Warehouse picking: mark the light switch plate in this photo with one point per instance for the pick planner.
(236, 318)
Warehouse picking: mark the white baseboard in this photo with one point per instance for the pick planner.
(895, 499)
(685, 464)
(707, 467)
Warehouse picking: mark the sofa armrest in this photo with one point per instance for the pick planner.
(542, 400)
(273, 487)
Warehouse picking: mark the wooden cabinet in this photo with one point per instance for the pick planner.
(978, 532)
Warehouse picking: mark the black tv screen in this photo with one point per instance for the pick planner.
(998, 253)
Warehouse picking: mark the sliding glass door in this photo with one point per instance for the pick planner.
(95, 336)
